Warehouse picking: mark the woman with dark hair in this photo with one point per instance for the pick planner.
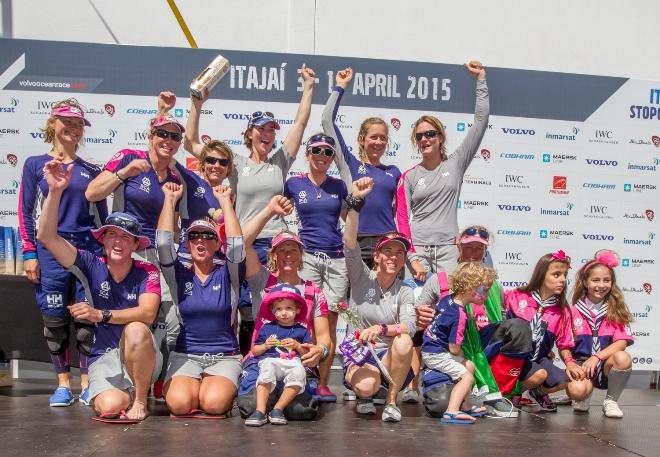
(543, 303)
(55, 287)
(427, 194)
(384, 306)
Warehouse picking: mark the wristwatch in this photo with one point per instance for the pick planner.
(325, 353)
(107, 315)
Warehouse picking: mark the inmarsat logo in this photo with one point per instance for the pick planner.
(102, 140)
(563, 137)
(11, 108)
(558, 212)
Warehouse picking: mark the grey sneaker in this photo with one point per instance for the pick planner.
(611, 409)
(276, 417)
(501, 408)
(256, 419)
(561, 399)
(381, 396)
(410, 395)
(582, 406)
(365, 406)
(391, 413)
(349, 395)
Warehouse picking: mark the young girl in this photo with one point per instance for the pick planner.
(442, 350)
(543, 303)
(601, 322)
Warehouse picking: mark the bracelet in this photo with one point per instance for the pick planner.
(383, 330)
(568, 360)
(121, 181)
(597, 356)
(354, 203)
(397, 329)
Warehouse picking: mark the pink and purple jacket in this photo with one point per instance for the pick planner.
(522, 305)
(608, 333)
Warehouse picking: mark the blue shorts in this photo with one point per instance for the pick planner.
(57, 287)
(383, 381)
(556, 375)
(600, 380)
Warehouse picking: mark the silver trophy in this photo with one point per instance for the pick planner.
(209, 77)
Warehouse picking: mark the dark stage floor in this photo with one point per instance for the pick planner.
(29, 427)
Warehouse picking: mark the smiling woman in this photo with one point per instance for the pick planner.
(64, 130)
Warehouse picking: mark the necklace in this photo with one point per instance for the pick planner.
(317, 189)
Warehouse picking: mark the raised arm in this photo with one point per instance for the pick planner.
(355, 201)
(468, 147)
(191, 141)
(235, 240)
(166, 224)
(58, 177)
(294, 137)
(278, 205)
(343, 157)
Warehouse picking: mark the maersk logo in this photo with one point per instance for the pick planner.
(554, 234)
(558, 158)
(179, 112)
(471, 204)
(460, 127)
(636, 263)
(638, 187)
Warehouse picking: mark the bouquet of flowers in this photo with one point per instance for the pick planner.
(351, 347)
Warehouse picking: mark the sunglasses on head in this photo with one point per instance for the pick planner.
(203, 235)
(321, 138)
(427, 134)
(118, 221)
(258, 114)
(217, 160)
(319, 150)
(472, 231)
(161, 133)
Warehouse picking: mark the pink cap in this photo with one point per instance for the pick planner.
(203, 223)
(286, 236)
(395, 236)
(165, 120)
(472, 239)
(70, 111)
(284, 291)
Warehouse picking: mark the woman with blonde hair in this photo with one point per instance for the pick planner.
(53, 284)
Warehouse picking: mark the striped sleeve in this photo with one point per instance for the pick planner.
(27, 205)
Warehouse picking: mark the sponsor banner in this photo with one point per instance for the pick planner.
(571, 166)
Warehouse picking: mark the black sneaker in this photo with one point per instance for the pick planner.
(256, 419)
(543, 400)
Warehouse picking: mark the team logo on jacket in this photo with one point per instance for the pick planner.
(522, 304)
(146, 185)
(578, 323)
(187, 288)
(362, 170)
(199, 192)
(371, 294)
(514, 372)
(302, 196)
(421, 184)
(105, 289)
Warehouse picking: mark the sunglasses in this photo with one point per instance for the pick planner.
(319, 150)
(257, 114)
(472, 231)
(176, 136)
(320, 138)
(203, 235)
(216, 160)
(427, 134)
(130, 226)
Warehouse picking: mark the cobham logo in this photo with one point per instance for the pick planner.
(559, 185)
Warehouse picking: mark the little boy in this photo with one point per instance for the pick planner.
(441, 349)
(279, 346)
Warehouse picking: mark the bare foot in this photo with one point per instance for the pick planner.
(138, 411)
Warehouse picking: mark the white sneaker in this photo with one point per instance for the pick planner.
(611, 409)
(582, 406)
(349, 395)
(391, 413)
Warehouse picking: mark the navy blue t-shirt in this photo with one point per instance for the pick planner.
(447, 327)
(296, 332)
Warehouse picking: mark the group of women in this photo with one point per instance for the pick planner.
(234, 245)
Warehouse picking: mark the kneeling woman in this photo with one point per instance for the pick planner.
(384, 305)
(203, 371)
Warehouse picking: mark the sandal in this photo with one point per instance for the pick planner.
(476, 411)
(198, 414)
(454, 419)
(115, 418)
